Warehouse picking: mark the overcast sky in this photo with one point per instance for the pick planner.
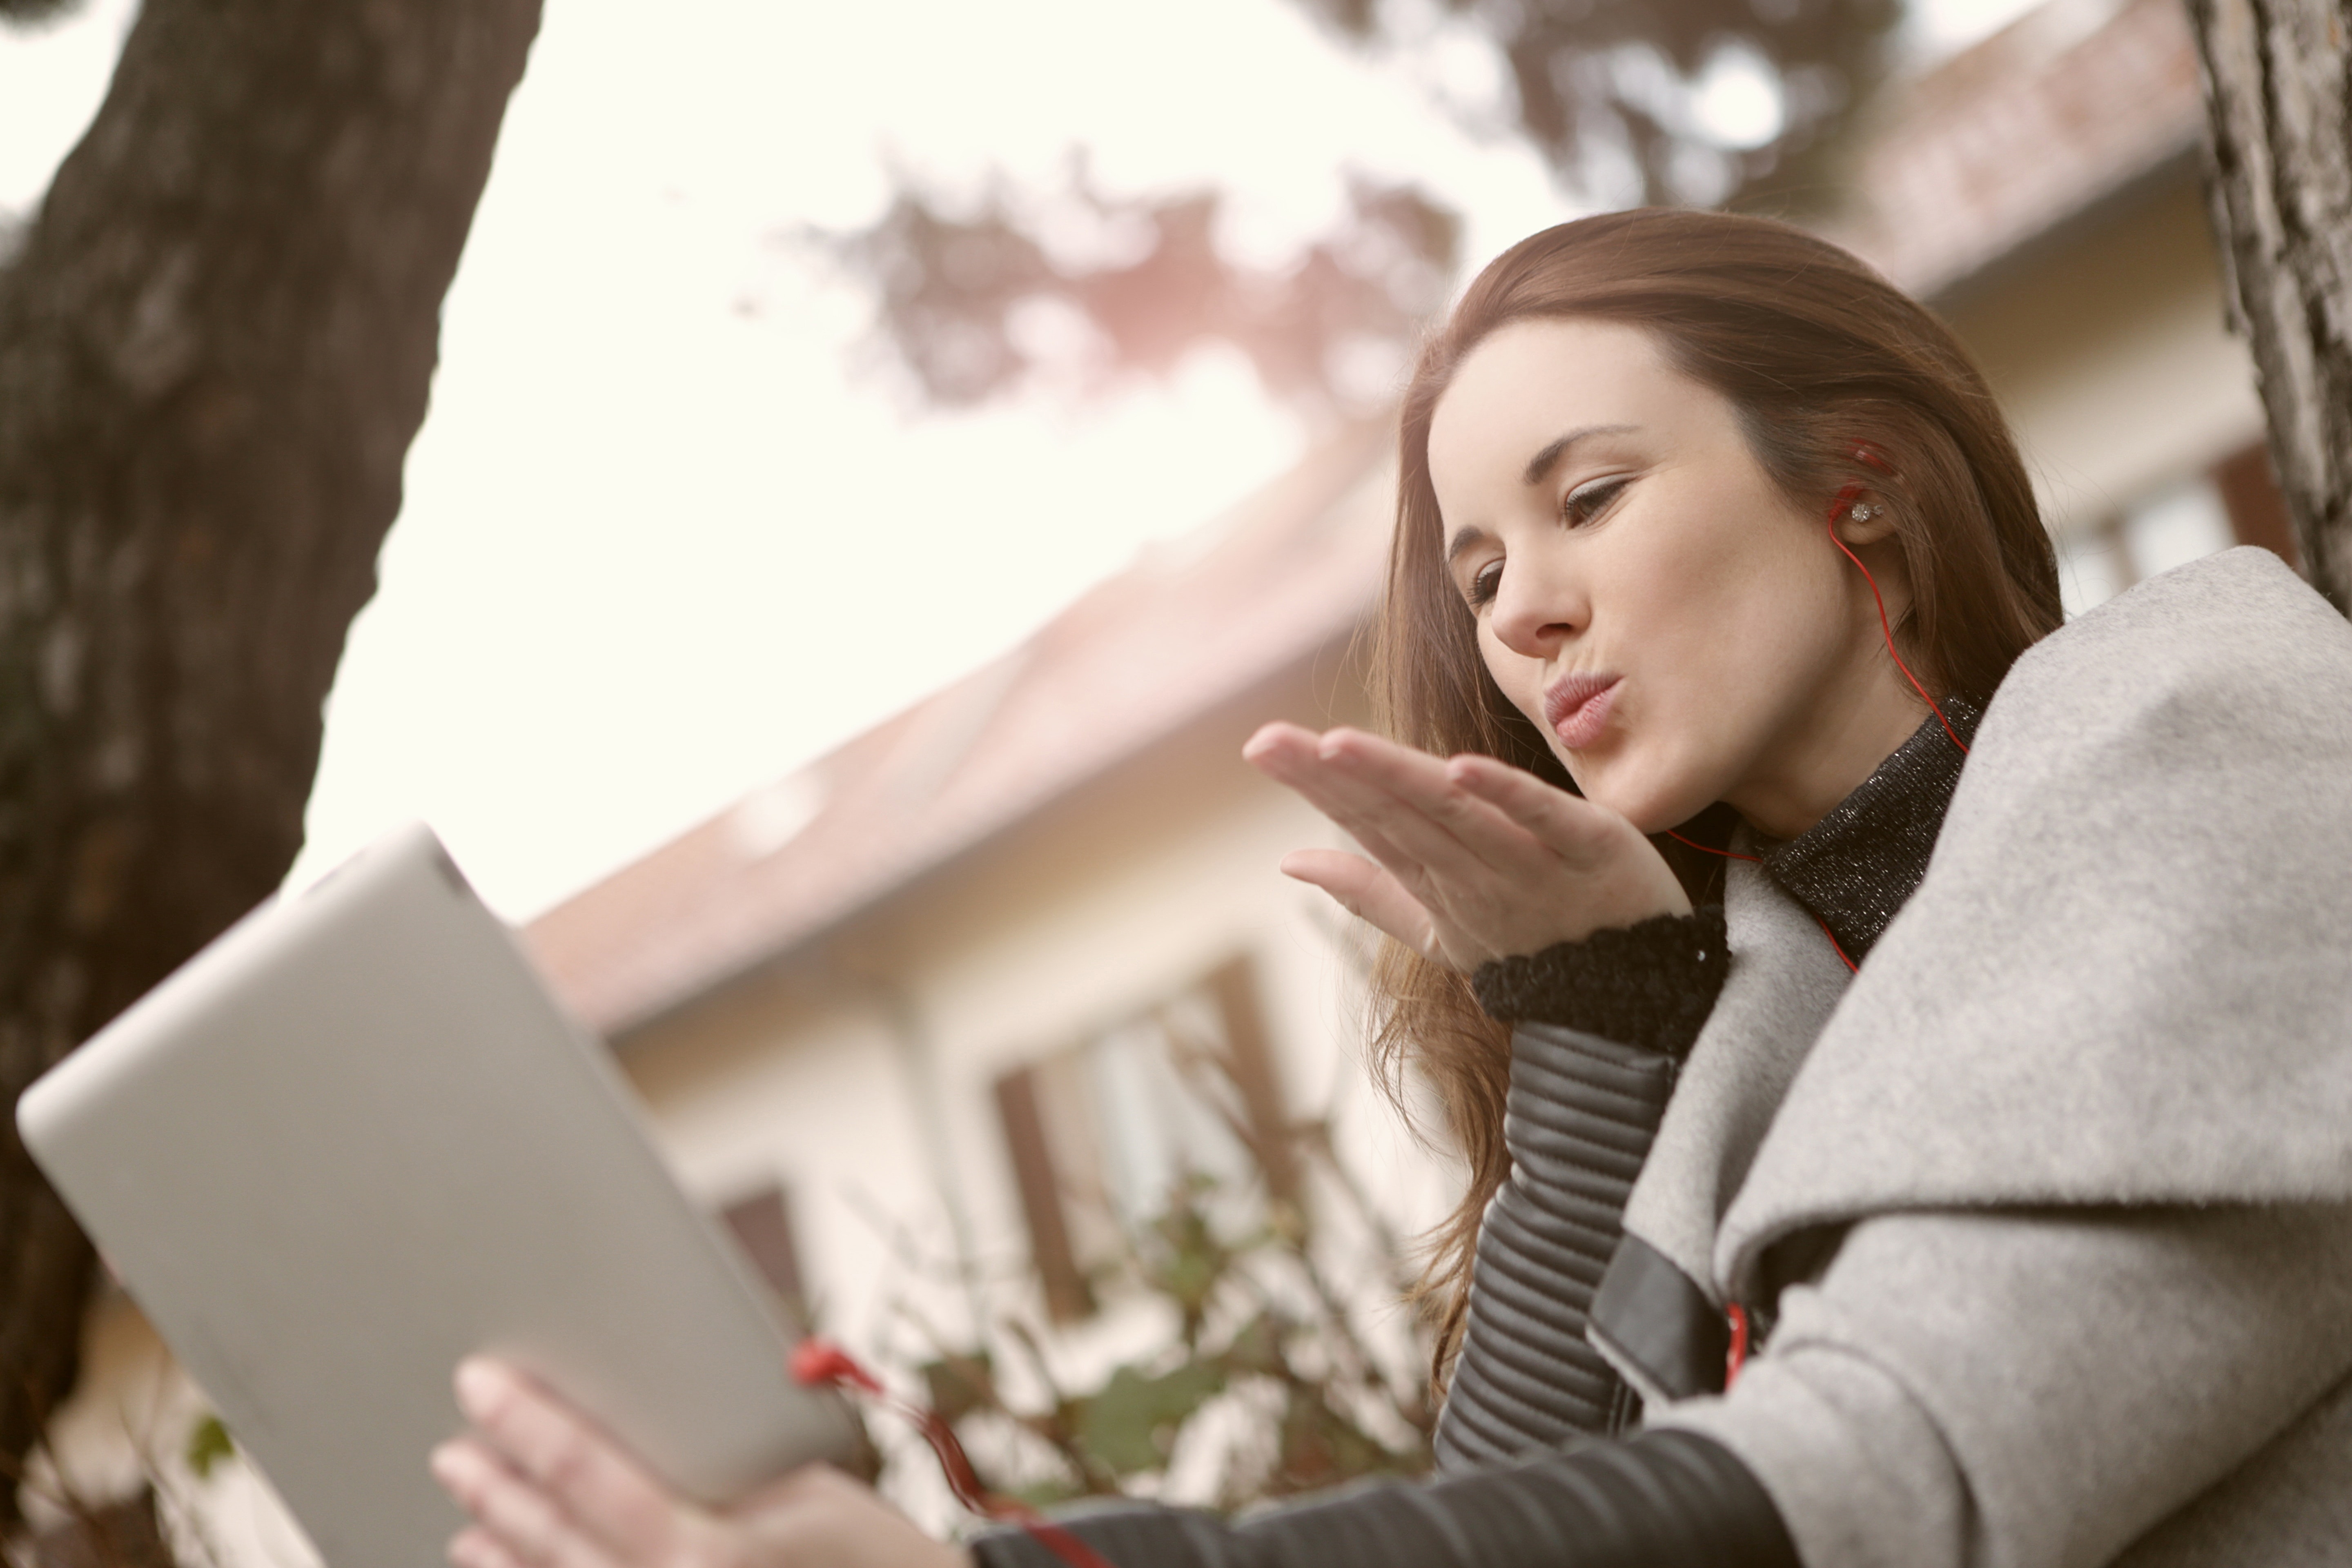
(662, 542)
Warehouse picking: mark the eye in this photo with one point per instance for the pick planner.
(1485, 586)
(1588, 502)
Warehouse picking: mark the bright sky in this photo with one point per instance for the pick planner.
(661, 543)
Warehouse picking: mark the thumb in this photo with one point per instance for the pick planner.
(1369, 893)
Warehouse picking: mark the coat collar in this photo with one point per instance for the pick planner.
(1857, 867)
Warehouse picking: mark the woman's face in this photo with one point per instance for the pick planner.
(1679, 630)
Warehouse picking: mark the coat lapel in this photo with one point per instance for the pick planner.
(1659, 1316)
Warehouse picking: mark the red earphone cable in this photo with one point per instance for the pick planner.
(819, 1364)
(1736, 1315)
(1838, 509)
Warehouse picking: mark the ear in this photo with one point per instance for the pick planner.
(1865, 518)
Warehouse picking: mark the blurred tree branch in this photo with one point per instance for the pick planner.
(29, 12)
(1266, 1374)
(972, 302)
(215, 342)
(1611, 92)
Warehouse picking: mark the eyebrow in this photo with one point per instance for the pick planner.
(1538, 470)
(1540, 465)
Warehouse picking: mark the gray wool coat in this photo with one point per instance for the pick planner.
(2083, 1122)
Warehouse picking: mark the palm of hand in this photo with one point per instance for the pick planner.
(547, 1488)
(1470, 859)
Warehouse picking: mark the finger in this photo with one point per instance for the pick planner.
(571, 1461)
(1291, 756)
(1401, 807)
(1574, 827)
(1368, 892)
(1620, 865)
(476, 1547)
(519, 1521)
(1273, 742)
(1408, 798)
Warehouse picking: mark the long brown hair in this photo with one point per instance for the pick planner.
(1836, 376)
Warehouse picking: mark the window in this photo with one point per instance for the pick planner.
(1099, 1131)
(2234, 502)
(2257, 510)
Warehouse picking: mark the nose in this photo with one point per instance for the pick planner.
(1534, 612)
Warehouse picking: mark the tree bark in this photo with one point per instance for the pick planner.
(2277, 77)
(215, 345)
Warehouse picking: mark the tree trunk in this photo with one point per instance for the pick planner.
(216, 344)
(2276, 75)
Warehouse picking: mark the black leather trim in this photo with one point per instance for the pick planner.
(1581, 1113)
(1650, 1313)
(1661, 1499)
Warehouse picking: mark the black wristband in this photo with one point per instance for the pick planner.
(1650, 985)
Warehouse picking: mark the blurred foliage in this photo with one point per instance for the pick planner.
(1609, 90)
(1267, 1377)
(973, 301)
(27, 13)
(208, 1445)
(975, 298)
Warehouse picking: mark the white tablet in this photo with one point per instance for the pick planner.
(353, 1140)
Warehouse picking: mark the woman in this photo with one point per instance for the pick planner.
(1935, 1024)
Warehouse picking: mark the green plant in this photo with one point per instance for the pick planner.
(1271, 1377)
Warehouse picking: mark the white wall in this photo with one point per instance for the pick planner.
(2110, 354)
(864, 1077)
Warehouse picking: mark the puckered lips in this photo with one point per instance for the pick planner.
(1577, 706)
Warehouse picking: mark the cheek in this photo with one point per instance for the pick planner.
(1787, 632)
(1520, 677)
(1751, 611)
(1722, 655)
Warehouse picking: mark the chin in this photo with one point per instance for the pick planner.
(1651, 798)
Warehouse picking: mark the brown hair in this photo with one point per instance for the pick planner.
(1829, 367)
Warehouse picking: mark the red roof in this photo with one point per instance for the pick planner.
(1963, 165)
(1194, 622)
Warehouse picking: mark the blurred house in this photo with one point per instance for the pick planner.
(910, 1019)
(913, 1013)
(2043, 191)
(923, 985)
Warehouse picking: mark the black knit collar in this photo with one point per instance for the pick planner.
(1859, 865)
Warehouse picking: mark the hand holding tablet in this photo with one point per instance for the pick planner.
(353, 1143)
(545, 1486)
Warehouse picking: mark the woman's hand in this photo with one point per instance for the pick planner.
(548, 1489)
(1471, 860)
